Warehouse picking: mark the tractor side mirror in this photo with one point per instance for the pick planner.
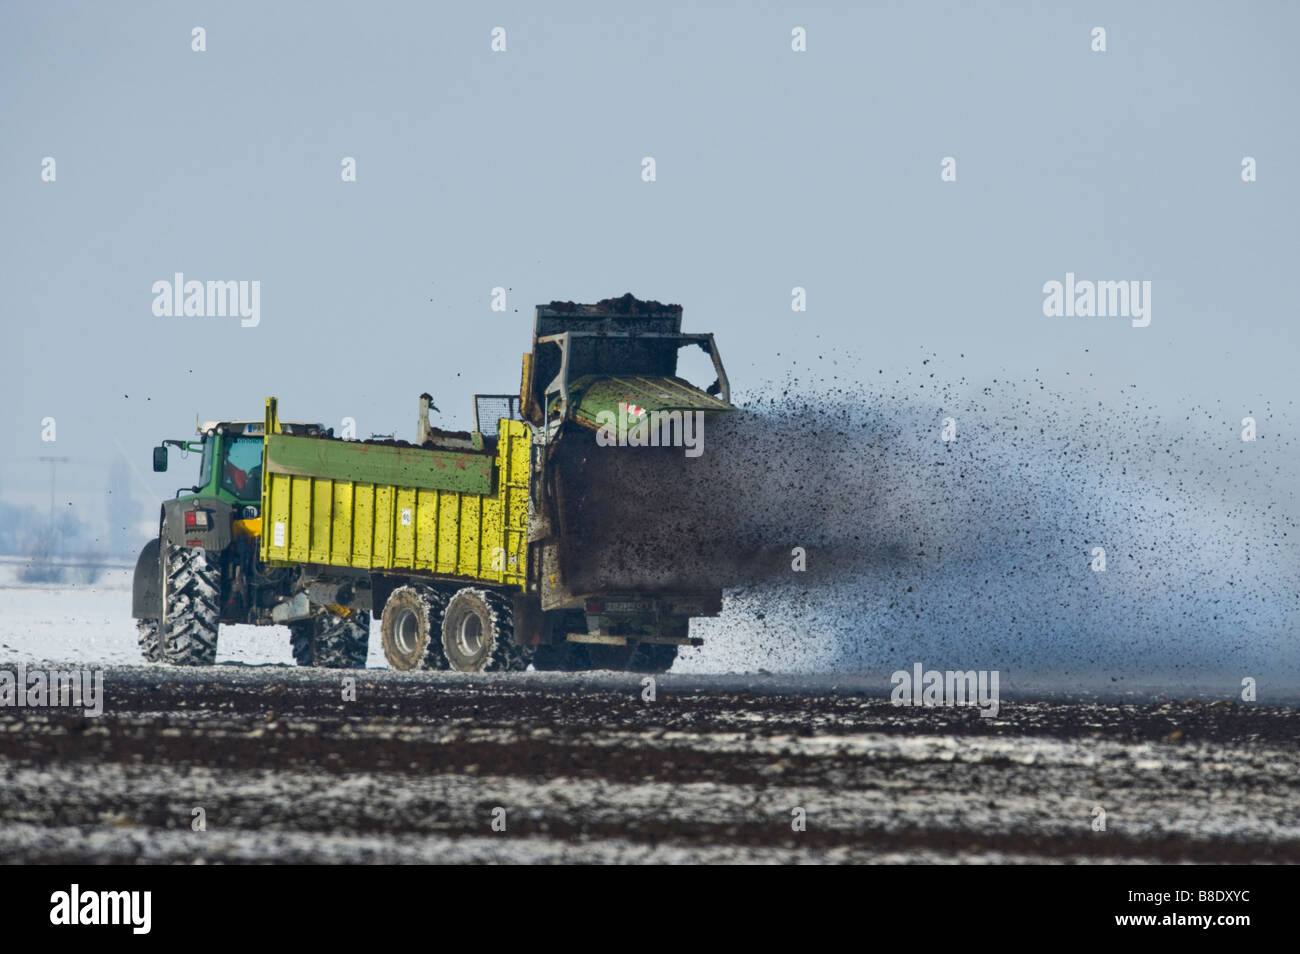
(160, 459)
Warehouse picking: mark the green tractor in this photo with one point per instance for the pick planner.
(203, 569)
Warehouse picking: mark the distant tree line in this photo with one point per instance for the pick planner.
(49, 543)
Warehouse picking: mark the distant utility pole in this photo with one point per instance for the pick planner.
(54, 462)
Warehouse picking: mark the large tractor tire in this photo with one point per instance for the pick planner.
(331, 641)
(478, 633)
(191, 601)
(411, 628)
(150, 641)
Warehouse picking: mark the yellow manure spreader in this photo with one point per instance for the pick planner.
(481, 550)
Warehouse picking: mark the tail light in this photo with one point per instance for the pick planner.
(197, 520)
(595, 606)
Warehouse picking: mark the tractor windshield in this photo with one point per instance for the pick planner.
(241, 473)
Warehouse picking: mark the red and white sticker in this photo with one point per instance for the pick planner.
(635, 411)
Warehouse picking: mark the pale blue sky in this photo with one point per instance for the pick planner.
(522, 169)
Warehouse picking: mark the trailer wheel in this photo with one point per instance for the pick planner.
(602, 656)
(411, 628)
(330, 641)
(478, 633)
(150, 640)
(641, 657)
(191, 614)
(652, 658)
(560, 655)
(575, 657)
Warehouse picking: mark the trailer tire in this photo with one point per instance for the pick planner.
(411, 628)
(150, 640)
(603, 656)
(559, 657)
(191, 606)
(330, 641)
(478, 633)
(652, 658)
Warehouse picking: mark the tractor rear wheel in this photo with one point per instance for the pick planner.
(191, 610)
(150, 642)
(478, 633)
(331, 641)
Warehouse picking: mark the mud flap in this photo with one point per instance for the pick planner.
(146, 588)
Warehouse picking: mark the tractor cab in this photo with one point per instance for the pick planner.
(230, 462)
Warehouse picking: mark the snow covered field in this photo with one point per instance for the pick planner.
(91, 622)
(410, 768)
